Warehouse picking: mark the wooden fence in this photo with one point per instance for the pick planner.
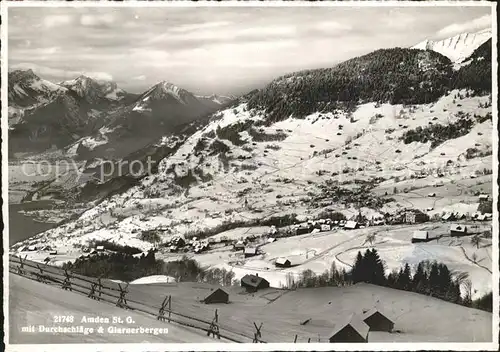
(100, 289)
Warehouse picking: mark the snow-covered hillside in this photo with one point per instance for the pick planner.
(459, 47)
(236, 169)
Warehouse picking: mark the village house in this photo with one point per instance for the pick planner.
(458, 230)
(325, 227)
(448, 217)
(250, 251)
(377, 321)
(351, 225)
(217, 296)
(252, 283)
(283, 263)
(239, 246)
(351, 330)
(420, 236)
(415, 216)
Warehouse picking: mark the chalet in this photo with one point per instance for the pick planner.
(253, 283)
(447, 217)
(31, 248)
(325, 227)
(301, 230)
(458, 230)
(179, 241)
(432, 195)
(53, 252)
(459, 215)
(239, 246)
(99, 248)
(217, 296)
(271, 240)
(481, 217)
(483, 197)
(351, 225)
(377, 321)
(250, 251)
(283, 263)
(420, 236)
(351, 330)
(415, 216)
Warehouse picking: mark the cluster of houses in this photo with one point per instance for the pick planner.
(456, 230)
(322, 225)
(356, 328)
(33, 248)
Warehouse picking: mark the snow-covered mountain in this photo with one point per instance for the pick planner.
(459, 47)
(93, 91)
(26, 89)
(217, 99)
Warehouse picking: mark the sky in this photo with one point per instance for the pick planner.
(206, 50)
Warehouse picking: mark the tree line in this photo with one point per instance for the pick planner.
(430, 278)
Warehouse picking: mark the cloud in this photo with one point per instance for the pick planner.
(96, 20)
(331, 26)
(51, 21)
(469, 26)
(139, 78)
(198, 26)
(60, 74)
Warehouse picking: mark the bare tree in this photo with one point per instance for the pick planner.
(476, 241)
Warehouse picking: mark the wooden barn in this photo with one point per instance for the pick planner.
(217, 296)
(283, 263)
(420, 236)
(351, 225)
(458, 230)
(377, 321)
(351, 330)
(250, 251)
(253, 283)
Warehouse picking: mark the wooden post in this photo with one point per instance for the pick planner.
(100, 289)
(161, 312)
(67, 283)
(169, 307)
(214, 326)
(257, 335)
(295, 339)
(308, 340)
(122, 301)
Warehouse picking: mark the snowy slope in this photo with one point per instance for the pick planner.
(457, 48)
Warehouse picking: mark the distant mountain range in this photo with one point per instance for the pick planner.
(99, 119)
(43, 114)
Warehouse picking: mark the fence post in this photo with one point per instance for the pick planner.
(100, 289)
(40, 275)
(169, 307)
(295, 339)
(161, 312)
(20, 267)
(257, 335)
(67, 283)
(122, 301)
(308, 340)
(214, 326)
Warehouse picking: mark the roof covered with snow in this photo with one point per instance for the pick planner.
(421, 235)
(356, 323)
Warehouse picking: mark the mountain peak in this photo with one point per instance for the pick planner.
(458, 47)
(23, 75)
